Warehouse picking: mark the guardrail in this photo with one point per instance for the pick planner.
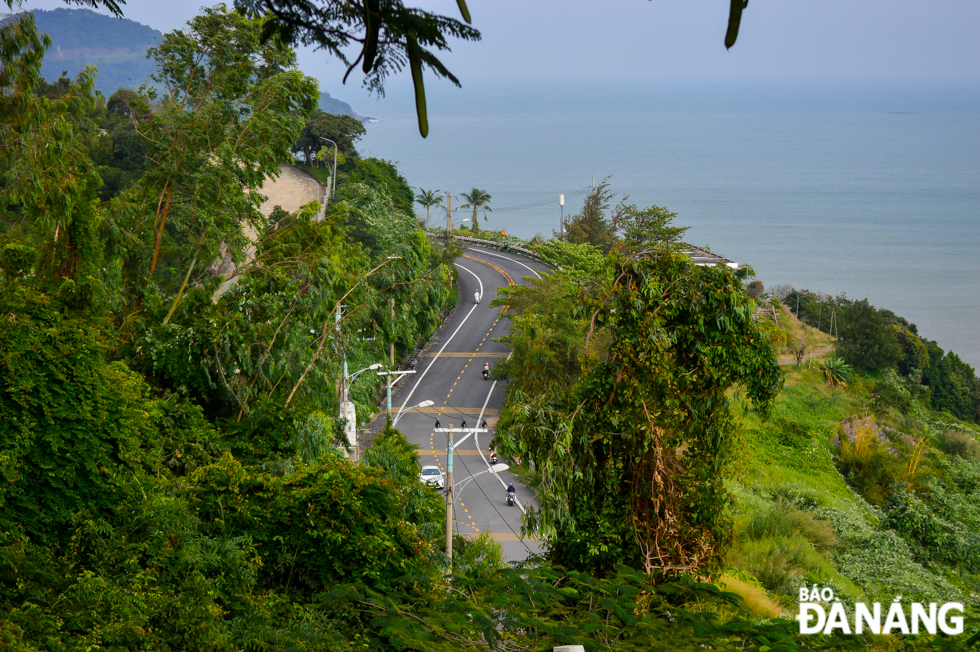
(502, 246)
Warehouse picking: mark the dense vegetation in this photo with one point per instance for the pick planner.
(172, 476)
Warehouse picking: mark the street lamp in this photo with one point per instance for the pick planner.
(458, 487)
(348, 412)
(333, 174)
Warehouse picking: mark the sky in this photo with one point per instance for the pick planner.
(580, 42)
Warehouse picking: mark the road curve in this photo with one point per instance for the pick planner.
(449, 374)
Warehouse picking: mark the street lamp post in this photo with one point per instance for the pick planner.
(496, 468)
(333, 173)
(348, 412)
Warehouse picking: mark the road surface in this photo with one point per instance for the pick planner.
(449, 374)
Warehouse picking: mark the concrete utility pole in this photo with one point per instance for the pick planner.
(392, 341)
(449, 215)
(450, 446)
(561, 220)
(449, 497)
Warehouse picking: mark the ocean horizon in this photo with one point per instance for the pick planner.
(869, 191)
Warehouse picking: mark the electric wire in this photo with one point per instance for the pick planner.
(492, 504)
(541, 202)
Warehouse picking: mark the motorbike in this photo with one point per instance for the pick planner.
(511, 498)
(486, 375)
(476, 298)
(493, 458)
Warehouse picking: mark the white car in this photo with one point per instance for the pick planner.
(432, 475)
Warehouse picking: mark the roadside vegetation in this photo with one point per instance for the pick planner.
(173, 476)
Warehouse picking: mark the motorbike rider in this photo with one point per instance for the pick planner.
(484, 424)
(476, 297)
(493, 457)
(462, 424)
(437, 423)
(511, 491)
(486, 369)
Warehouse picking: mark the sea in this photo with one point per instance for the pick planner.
(868, 191)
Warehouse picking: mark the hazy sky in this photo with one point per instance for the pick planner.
(650, 41)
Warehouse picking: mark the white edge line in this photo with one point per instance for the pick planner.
(476, 439)
(513, 260)
(417, 382)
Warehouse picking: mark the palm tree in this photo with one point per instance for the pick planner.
(428, 198)
(477, 199)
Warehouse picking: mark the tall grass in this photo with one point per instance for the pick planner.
(783, 519)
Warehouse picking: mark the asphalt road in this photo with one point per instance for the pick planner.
(449, 374)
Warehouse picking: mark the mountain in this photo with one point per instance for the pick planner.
(115, 46)
(329, 104)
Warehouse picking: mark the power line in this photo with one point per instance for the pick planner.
(541, 202)
(492, 504)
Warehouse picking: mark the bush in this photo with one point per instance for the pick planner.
(783, 519)
(867, 465)
(959, 443)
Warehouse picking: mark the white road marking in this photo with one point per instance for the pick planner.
(417, 382)
(533, 271)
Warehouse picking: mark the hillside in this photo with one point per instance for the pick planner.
(116, 46)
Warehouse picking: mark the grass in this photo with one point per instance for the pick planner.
(754, 597)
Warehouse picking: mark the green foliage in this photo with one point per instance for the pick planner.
(582, 258)
(220, 130)
(959, 443)
(866, 342)
(46, 178)
(783, 519)
(646, 416)
(74, 425)
(953, 384)
(383, 177)
(647, 227)
(541, 607)
(428, 199)
(344, 130)
(591, 226)
(477, 199)
(835, 371)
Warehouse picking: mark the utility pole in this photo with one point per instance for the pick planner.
(593, 183)
(561, 221)
(449, 498)
(392, 325)
(449, 215)
(450, 445)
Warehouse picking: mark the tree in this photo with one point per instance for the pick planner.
(46, 177)
(341, 129)
(642, 228)
(591, 226)
(477, 199)
(225, 121)
(631, 450)
(865, 340)
(428, 199)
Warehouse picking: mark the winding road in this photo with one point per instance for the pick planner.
(449, 375)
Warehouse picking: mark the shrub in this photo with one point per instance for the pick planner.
(783, 519)
(959, 443)
(866, 463)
